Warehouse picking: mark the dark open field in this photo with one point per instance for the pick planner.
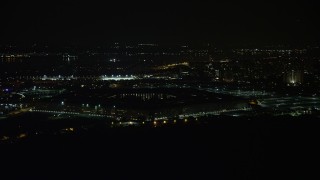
(262, 148)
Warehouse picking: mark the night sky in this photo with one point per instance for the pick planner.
(227, 22)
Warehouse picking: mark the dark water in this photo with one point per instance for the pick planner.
(31, 66)
(81, 64)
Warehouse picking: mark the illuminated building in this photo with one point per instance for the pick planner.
(217, 74)
(228, 76)
(293, 78)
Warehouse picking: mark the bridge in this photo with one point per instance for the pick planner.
(181, 116)
(69, 113)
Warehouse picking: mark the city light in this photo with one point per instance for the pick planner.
(179, 89)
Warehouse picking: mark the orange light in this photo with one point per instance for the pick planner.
(23, 135)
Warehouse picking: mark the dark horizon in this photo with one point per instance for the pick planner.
(223, 23)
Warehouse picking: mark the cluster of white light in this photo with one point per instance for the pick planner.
(117, 77)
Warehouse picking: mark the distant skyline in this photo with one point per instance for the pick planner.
(224, 23)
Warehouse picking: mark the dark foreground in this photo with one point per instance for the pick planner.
(221, 149)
